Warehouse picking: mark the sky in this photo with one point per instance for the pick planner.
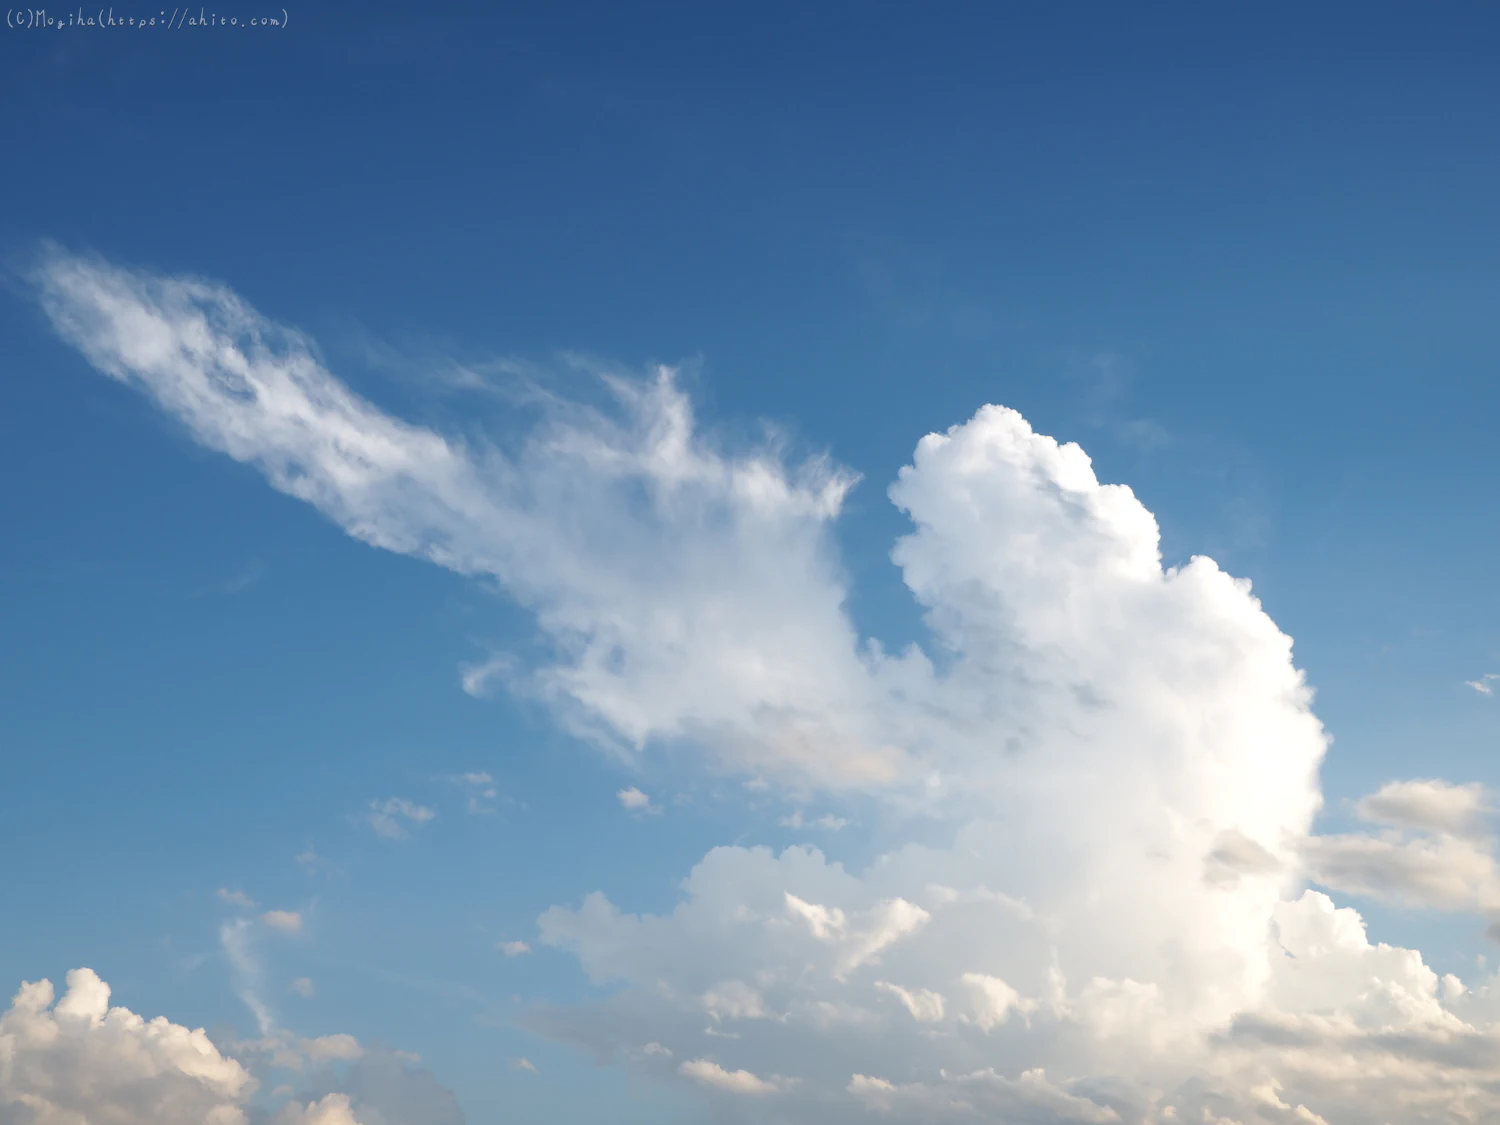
(836, 563)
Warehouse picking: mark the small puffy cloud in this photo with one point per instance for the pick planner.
(633, 800)
(513, 948)
(1428, 804)
(523, 1064)
(1441, 872)
(303, 987)
(924, 1005)
(236, 898)
(1485, 684)
(1432, 849)
(335, 1109)
(390, 818)
(710, 1073)
(480, 680)
(992, 1001)
(386, 1088)
(286, 921)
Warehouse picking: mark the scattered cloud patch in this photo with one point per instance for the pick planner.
(730, 1081)
(314, 864)
(1428, 804)
(303, 987)
(523, 1064)
(479, 790)
(513, 948)
(633, 800)
(392, 817)
(286, 921)
(827, 823)
(1485, 685)
(236, 898)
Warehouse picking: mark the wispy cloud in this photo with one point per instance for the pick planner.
(1485, 684)
(235, 939)
(480, 788)
(513, 948)
(828, 822)
(236, 898)
(314, 864)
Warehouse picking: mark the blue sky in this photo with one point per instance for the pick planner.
(1245, 258)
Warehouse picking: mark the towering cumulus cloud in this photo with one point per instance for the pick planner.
(1123, 758)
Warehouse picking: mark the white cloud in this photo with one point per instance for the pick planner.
(1435, 849)
(1119, 760)
(389, 818)
(523, 1064)
(634, 800)
(924, 1005)
(287, 921)
(733, 1081)
(1428, 803)
(1485, 684)
(1439, 871)
(690, 594)
(304, 987)
(335, 1109)
(82, 1061)
(236, 898)
(79, 1061)
(513, 948)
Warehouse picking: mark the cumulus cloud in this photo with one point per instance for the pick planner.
(633, 800)
(390, 818)
(1115, 762)
(513, 948)
(77, 1061)
(1485, 685)
(236, 898)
